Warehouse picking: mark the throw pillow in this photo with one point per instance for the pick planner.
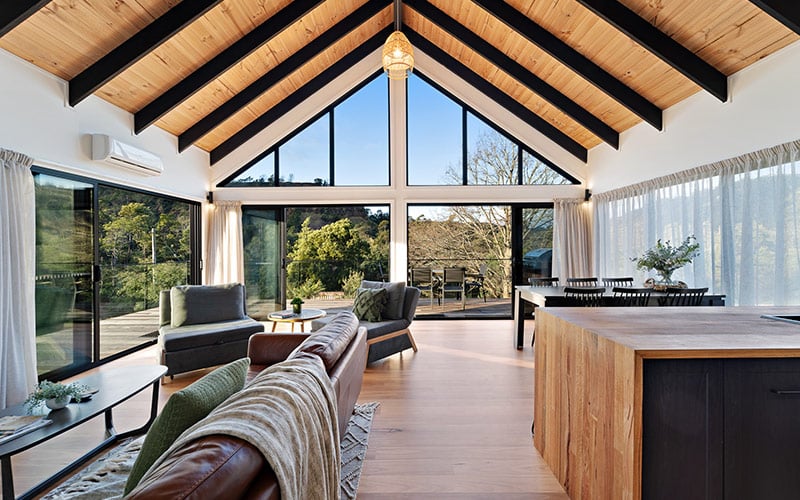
(184, 409)
(198, 304)
(395, 297)
(369, 303)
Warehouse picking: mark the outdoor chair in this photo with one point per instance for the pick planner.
(581, 281)
(628, 296)
(612, 282)
(543, 281)
(590, 296)
(453, 282)
(475, 282)
(683, 296)
(422, 279)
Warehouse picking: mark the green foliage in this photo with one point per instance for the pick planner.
(666, 259)
(327, 254)
(308, 289)
(351, 283)
(53, 390)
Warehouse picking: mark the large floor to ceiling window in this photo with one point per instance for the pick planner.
(103, 253)
(319, 254)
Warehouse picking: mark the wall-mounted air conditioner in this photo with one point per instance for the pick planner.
(115, 152)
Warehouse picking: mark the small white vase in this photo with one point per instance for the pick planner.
(56, 404)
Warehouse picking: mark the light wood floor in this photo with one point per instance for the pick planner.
(454, 419)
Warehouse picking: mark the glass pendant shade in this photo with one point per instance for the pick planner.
(398, 56)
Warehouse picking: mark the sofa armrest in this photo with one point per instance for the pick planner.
(410, 303)
(270, 348)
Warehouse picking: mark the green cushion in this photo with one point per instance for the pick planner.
(184, 409)
(395, 297)
(369, 303)
(198, 304)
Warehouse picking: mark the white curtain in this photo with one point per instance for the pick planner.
(744, 212)
(17, 276)
(225, 249)
(572, 239)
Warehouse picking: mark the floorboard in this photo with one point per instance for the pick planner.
(453, 422)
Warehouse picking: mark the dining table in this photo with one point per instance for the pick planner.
(553, 296)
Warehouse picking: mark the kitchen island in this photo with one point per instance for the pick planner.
(700, 402)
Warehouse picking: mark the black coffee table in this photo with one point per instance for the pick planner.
(114, 386)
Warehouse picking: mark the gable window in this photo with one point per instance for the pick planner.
(450, 144)
(347, 145)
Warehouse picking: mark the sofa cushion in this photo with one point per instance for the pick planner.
(197, 304)
(369, 303)
(193, 336)
(330, 341)
(384, 327)
(184, 409)
(395, 292)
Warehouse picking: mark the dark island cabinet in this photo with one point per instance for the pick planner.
(721, 429)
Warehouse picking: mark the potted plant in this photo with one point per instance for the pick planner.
(297, 305)
(664, 258)
(55, 395)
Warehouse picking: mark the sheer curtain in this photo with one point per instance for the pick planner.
(18, 264)
(743, 212)
(572, 239)
(225, 248)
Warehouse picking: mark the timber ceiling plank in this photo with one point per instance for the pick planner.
(574, 60)
(289, 85)
(220, 63)
(517, 71)
(135, 48)
(504, 100)
(670, 51)
(279, 72)
(304, 92)
(14, 12)
(785, 11)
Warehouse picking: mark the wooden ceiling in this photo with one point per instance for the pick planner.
(216, 72)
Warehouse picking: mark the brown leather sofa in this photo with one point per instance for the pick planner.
(222, 466)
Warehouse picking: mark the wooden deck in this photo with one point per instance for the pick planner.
(454, 420)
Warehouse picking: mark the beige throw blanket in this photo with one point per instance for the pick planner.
(288, 412)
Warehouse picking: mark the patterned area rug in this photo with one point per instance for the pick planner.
(105, 478)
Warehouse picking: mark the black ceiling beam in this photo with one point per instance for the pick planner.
(517, 71)
(279, 72)
(135, 48)
(221, 62)
(493, 93)
(785, 11)
(300, 95)
(668, 50)
(578, 63)
(14, 12)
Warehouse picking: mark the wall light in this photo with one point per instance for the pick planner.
(210, 197)
(587, 195)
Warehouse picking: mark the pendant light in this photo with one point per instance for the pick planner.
(398, 55)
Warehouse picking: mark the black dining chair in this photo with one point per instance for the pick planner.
(581, 281)
(543, 281)
(628, 296)
(612, 282)
(422, 278)
(583, 296)
(474, 281)
(454, 282)
(683, 296)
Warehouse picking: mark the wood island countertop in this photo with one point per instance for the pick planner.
(589, 372)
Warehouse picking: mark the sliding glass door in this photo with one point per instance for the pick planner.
(103, 253)
(262, 230)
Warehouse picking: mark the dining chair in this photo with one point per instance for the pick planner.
(543, 281)
(583, 296)
(581, 281)
(422, 278)
(453, 282)
(628, 296)
(683, 296)
(612, 282)
(475, 282)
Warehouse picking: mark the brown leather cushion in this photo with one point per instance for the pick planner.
(330, 341)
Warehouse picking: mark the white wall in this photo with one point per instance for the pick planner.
(763, 110)
(36, 120)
